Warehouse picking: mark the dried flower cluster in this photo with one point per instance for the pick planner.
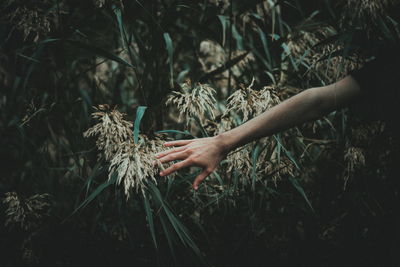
(131, 162)
(240, 160)
(196, 101)
(26, 213)
(111, 131)
(330, 67)
(33, 18)
(324, 61)
(276, 169)
(250, 102)
(355, 160)
(299, 44)
(213, 56)
(365, 13)
(362, 135)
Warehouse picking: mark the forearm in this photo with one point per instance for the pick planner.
(308, 105)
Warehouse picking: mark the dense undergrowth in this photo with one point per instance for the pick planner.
(149, 71)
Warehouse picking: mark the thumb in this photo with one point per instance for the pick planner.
(200, 178)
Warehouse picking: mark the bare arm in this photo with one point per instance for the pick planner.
(308, 105)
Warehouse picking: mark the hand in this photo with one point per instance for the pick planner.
(203, 152)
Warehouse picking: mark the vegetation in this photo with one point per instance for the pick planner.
(92, 89)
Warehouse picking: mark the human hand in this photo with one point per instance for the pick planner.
(203, 152)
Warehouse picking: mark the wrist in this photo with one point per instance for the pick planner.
(227, 142)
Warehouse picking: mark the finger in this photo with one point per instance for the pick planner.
(174, 156)
(175, 167)
(169, 151)
(200, 178)
(178, 143)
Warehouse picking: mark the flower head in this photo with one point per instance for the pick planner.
(196, 101)
(131, 162)
(250, 102)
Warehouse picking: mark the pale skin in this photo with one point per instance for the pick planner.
(308, 105)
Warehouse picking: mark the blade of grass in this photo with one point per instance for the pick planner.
(170, 50)
(224, 22)
(136, 127)
(178, 227)
(150, 220)
(300, 189)
(99, 52)
(94, 194)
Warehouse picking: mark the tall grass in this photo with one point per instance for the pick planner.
(242, 57)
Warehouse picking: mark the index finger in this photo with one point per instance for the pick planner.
(178, 143)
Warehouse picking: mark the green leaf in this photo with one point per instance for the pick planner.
(97, 170)
(238, 38)
(287, 152)
(223, 20)
(265, 44)
(178, 227)
(118, 14)
(254, 157)
(94, 194)
(139, 115)
(149, 216)
(99, 52)
(170, 50)
(300, 189)
(175, 132)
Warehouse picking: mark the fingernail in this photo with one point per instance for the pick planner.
(161, 173)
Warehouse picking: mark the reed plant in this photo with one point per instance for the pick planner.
(92, 90)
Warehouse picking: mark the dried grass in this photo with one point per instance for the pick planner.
(26, 213)
(196, 101)
(250, 103)
(131, 162)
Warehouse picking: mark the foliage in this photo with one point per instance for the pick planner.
(198, 68)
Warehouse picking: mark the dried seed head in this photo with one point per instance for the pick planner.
(354, 157)
(196, 101)
(355, 160)
(111, 131)
(213, 56)
(364, 13)
(33, 18)
(329, 66)
(364, 134)
(240, 160)
(26, 213)
(132, 163)
(278, 169)
(324, 61)
(251, 103)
